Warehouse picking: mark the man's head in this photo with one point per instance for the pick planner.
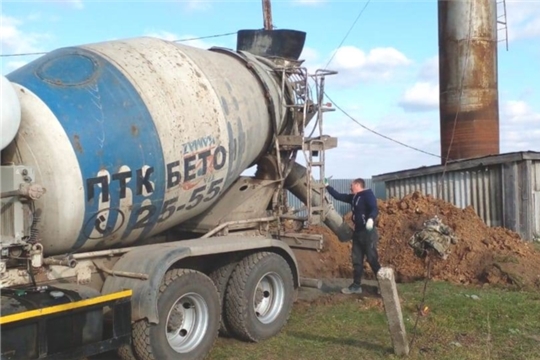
(357, 185)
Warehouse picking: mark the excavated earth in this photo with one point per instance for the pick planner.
(482, 255)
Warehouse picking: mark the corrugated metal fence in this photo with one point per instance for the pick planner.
(479, 188)
(504, 190)
(341, 185)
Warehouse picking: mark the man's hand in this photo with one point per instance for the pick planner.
(326, 182)
(369, 224)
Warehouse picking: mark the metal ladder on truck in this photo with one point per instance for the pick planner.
(313, 145)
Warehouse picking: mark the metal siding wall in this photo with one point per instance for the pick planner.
(379, 189)
(535, 177)
(527, 201)
(481, 189)
(535, 173)
(341, 185)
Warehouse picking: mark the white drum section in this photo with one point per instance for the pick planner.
(10, 113)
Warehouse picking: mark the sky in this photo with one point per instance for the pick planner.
(387, 65)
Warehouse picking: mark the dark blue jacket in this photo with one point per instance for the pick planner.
(364, 206)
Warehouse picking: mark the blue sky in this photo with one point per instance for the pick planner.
(388, 68)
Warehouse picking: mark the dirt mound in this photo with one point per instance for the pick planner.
(334, 260)
(482, 254)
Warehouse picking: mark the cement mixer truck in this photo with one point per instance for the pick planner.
(126, 222)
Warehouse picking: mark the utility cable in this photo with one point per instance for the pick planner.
(348, 32)
(179, 40)
(428, 265)
(207, 37)
(349, 116)
(378, 133)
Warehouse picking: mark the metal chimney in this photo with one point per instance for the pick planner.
(469, 99)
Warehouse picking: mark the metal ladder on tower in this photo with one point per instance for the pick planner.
(314, 145)
(502, 23)
(314, 152)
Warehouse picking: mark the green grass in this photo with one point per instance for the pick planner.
(500, 325)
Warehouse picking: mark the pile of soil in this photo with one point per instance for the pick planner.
(482, 254)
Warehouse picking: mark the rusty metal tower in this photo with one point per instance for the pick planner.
(469, 99)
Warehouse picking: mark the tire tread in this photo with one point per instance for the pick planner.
(236, 307)
(141, 329)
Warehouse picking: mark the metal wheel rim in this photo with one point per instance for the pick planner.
(269, 297)
(187, 322)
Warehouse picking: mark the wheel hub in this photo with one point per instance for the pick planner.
(269, 297)
(187, 322)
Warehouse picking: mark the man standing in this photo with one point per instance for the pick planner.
(365, 236)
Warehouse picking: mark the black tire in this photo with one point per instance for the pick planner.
(268, 276)
(221, 277)
(200, 300)
(126, 352)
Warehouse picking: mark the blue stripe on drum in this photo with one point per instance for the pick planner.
(113, 136)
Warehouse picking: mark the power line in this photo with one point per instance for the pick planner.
(207, 37)
(378, 133)
(179, 40)
(23, 54)
(349, 116)
(347, 34)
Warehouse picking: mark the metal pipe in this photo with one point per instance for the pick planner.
(127, 274)
(113, 252)
(267, 14)
(311, 283)
(297, 185)
(93, 254)
(68, 262)
(224, 225)
(469, 100)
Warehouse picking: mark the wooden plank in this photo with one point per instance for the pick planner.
(303, 241)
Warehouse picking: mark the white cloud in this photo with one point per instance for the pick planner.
(309, 55)
(519, 126)
(14, 65)
(360, 152)
(430, 70)
(523, 19)
(422, 96)
(355, 65)
(13, 40)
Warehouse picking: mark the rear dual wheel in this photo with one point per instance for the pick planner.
(259, 297)
(189, 313)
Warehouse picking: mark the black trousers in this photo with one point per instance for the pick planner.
(364, 245)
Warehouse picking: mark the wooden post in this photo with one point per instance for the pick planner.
(267, 14)
(392, 306)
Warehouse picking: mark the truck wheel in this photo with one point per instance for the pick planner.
(125, 352)
(259, 297)
(189, 315)
(221, 277)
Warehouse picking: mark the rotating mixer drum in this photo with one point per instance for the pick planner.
(133, 137)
